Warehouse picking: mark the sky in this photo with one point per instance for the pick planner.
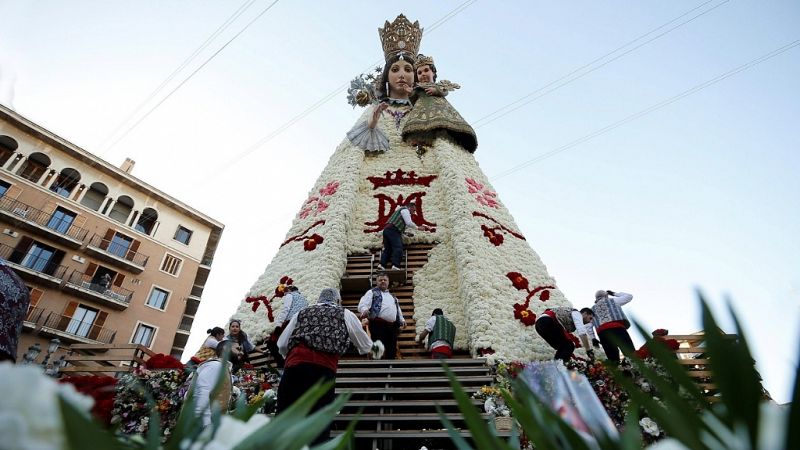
(648, 147)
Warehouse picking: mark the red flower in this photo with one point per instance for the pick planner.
(485, 351)
(162, 361)
(519, 281)
(266, 386)
(524, 315)
(494, 237)
(312, 241)
(285, 280)
(544, 296)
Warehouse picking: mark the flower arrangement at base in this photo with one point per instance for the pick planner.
(253, 385)
(135, 391)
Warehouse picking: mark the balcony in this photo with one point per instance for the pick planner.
(43, 223)
(186, 325)
(192, 304)
(33, 268)
(117, 254)
(34, 317)
(87, 287)
(73, 330)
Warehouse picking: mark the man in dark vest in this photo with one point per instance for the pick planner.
(383, 311)
(441, 333)
(312, 343)
(393, 235)
(609, 320)
(556, 325)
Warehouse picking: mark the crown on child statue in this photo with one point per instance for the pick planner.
(423, 60)
(400, 37)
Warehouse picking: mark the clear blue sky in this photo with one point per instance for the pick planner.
(701, 193)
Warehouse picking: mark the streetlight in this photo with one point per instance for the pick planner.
(32, 353)
(52, 348)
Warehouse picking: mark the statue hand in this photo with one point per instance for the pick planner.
(376, 114)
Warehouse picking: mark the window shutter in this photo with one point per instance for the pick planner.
(21, 249)
(119, 279)
(36, 294)
(98, 325)
(79, 221)
(69, 311)
(107, 238)
(91, 269)
(49, 208)
(132, 251)
(13, 192)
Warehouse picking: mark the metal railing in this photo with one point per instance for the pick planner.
(78, 328)
(118, 250)
(107, 290)
(35, 314)
(49, 220)
(29, 261)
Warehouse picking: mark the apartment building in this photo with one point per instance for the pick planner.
(107, 257)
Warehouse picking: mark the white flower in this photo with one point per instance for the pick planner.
(230, 433)
(270, 394)
(668, 444)
(377, 350)
(30, 414)
(649, 426)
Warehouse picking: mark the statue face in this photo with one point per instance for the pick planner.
(425, 74)
(401, 76)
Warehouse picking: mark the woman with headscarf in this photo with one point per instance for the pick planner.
(14, 302)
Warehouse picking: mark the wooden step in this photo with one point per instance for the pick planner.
(410, 371)
(388, 380)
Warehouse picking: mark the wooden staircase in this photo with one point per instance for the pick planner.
(397, 401)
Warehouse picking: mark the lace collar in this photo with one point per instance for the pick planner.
(398, 101)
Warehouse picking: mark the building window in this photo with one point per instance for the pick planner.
(122, 209)
(82, 320)
(7, 148)
(38, 257)
(61, 220)
(144, 335)
(171, 265)
(119, 245)
(158, 298)
(34, 167)
(4, 187)
(95, 196)
(66, 182)
(183, 235)
(147, 221)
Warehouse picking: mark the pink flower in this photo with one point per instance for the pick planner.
(330, 188)
(473, 186)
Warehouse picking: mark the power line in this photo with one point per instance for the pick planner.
(146, 115)
(526, 99)
(648, 110)
(274, 133)
(236, 14)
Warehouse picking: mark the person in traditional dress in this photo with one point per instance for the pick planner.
(237, 334)
(14, 302)
(312, 343)
(206, 377)
(441, 334)
(556, 325)
(433, 116)
(611, 323)
(293, 302)
(393, 232)
(209, 347)
(383, 311)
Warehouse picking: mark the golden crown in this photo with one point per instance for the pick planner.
(423, 60)
(400, 37)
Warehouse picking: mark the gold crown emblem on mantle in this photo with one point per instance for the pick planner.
(400, 37)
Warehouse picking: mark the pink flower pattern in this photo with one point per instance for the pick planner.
(484, 196)
(315, 204)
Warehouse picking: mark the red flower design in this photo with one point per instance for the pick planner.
(312, 241)
(101, 389)
(162, 361)
(519, 281)
(330, 188)
(494, 237)
(544, 296)
(524, 315)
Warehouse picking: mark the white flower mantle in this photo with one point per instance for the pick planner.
(465, 274)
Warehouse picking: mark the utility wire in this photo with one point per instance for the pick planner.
(274, 133)
(648, 110)
(558, 84)
(146, 115)
(236, 14)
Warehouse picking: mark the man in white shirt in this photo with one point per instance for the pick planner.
(555, 326)
(442, 334)
(293, 302)
(385, 317)
(611, 323)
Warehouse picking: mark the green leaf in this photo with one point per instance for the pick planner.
(482, 434)
(343, 441)
(82, 433)
(291, 429)
(631, 438)
(244, 411)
